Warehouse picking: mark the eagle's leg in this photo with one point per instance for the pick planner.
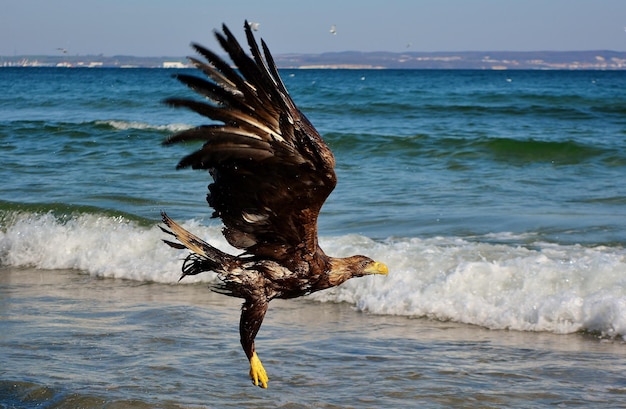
(252, 313)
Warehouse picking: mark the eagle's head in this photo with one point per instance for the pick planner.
(343, 269)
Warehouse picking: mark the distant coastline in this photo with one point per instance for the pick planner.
(478, 60)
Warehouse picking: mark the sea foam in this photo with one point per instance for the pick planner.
(547, 287)
(125, 125)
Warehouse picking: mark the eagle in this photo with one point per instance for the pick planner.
(271, 172)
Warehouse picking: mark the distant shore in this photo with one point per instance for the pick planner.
(481, 60)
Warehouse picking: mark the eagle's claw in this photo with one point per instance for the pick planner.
(257, 372)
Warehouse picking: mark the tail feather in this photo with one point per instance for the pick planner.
(187, 239)
(204, 257)
(171, 243)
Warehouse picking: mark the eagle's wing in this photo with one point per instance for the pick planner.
(272, 171)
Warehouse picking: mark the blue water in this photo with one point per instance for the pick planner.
(496, 198)
(419, 153)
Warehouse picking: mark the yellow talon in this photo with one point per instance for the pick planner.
(257, 372)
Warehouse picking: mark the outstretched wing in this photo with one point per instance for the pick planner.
(272, 171)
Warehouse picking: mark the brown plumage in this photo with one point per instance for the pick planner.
(271, 174)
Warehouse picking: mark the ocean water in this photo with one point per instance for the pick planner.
(497, 199)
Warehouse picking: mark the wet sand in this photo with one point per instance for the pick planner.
(69, 339)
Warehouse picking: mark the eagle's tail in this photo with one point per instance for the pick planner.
(204, 257)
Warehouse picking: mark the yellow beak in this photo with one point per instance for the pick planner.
(377, 268)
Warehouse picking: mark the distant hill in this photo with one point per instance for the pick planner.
(482, 60)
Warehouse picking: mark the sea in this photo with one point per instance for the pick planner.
(496, 198)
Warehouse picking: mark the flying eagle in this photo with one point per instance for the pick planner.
(271, 174)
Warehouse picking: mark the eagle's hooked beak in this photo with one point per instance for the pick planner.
(376, 268)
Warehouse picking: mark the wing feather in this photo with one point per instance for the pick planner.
(231, 116)
(271, 169)
(213, 92)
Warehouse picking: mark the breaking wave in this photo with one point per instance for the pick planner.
(538, 287)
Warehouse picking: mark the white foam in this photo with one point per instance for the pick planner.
(125, 125)
(100, 245)
(555, 288)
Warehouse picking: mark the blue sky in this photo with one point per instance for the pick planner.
(165, 28)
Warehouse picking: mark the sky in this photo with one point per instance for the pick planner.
(166, 28)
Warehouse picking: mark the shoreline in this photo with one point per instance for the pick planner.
(605, 60)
